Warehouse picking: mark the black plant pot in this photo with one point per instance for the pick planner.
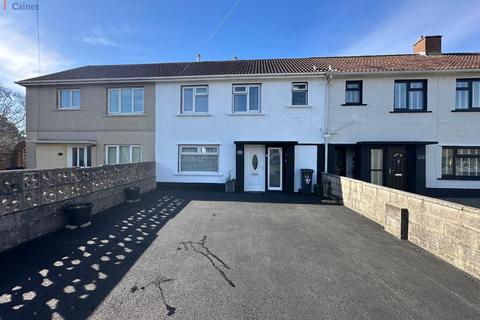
(78, 214)
(230, 186)
(319, 190)
(132, 194)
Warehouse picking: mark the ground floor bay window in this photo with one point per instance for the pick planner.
(118, 154)
(461, 163)
(198, 158)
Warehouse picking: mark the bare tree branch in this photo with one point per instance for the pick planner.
(12, 117)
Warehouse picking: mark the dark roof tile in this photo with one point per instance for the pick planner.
(405, 62)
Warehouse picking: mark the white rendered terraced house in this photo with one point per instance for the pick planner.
(407, 121)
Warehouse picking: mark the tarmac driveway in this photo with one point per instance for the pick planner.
(213, 256)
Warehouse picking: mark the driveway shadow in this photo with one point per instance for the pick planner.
(67, 274)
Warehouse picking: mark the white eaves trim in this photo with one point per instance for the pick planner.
(174, 78)
(91, 142)
(243, 76)
(403, 73)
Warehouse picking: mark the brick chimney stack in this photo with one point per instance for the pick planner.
(428, 45)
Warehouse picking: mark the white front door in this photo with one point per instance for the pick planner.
(254, 157)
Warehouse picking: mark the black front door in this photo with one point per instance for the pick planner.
(397, 167)
(340, 159)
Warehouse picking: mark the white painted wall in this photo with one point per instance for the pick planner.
(374, 122)
(277, 122)
(305, 158)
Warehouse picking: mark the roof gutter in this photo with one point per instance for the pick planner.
(172, 78)
(91, 142)
(240, 76)
(404, 72)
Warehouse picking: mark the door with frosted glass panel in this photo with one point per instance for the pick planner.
(254, 168)
(275, 169)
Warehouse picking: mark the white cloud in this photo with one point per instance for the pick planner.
(19, 55)
(99, 37)
(397, 32)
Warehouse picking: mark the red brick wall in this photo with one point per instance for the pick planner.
(428, 45)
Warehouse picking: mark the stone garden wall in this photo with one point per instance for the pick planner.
(31, 201)
(448, 230)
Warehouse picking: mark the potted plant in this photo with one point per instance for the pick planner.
(132, 194)
(230, 183)
(78, 215)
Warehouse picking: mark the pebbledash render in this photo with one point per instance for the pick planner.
(407, 121)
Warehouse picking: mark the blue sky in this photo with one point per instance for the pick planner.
(81, 32)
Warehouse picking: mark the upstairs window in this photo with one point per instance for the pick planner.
(353, 92)
(467, 94)
(118, 154)
(299, 93)
(126, 101)
(410, 95)
(461, 162)
(195, 99)
(69, 99)
(246, 98)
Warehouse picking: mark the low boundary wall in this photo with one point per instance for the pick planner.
(31, 201)
(448, 230)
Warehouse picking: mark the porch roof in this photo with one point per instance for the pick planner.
(265, 142)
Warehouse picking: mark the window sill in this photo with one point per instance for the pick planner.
(411, 111)
(126, 115)
(460, 178)
(68, 109)
(194, 115)
(246, 114)
(204, 174)
(466, 110)
(299, 107)
(353, 104)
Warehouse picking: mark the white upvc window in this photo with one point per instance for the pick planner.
(246, 98)
(69, 98)
(198, 158)
(80, 157)
(119, 154)
(299, 93)
(126, 101)
(195, 99)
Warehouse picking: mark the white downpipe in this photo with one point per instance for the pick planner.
(326, 134)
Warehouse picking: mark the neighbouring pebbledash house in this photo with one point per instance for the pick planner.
(407, 121)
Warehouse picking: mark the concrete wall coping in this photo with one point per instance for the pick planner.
(26, 189)
(6, 172)
(411, 195)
